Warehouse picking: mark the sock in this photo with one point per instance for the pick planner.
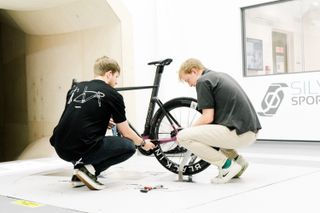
(226, 164)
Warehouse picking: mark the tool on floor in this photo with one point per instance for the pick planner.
(146, 189)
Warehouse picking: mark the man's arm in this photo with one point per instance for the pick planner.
(205, 118)
(127, 132)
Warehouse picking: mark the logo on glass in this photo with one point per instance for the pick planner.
(272, 99)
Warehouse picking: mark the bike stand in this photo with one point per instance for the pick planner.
(185, 160)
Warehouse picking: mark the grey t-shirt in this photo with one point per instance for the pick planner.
(232, 107)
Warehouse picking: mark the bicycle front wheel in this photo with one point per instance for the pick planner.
(170, 154)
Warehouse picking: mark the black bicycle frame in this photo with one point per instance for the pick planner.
(153, 98)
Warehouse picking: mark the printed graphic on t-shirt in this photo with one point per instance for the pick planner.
(85, 96)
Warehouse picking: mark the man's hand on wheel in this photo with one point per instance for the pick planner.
(148, 145)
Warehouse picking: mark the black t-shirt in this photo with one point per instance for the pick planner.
(84, 122)
(232, 107)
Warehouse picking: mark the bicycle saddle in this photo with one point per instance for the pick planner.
(162, 63)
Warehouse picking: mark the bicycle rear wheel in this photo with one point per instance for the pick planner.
(170, 154)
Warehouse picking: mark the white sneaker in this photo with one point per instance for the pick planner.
(244, 165)
(76, 182)
(86, 173)
(225, 175)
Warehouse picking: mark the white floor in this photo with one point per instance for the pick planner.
(282, 177)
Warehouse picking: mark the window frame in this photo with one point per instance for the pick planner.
(244, 38)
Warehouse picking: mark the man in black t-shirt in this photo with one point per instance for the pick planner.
(228, 120)
(80, 137)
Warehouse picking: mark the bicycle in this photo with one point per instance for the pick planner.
(163, 126)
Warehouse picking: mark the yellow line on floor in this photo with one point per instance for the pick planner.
(27, 203)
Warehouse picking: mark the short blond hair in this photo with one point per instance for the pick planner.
(186, 66)
(105, 64)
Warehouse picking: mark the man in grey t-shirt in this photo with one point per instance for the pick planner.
(228, 120)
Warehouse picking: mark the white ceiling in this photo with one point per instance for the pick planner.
(47, 17)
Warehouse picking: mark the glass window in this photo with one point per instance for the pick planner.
(281, 37)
